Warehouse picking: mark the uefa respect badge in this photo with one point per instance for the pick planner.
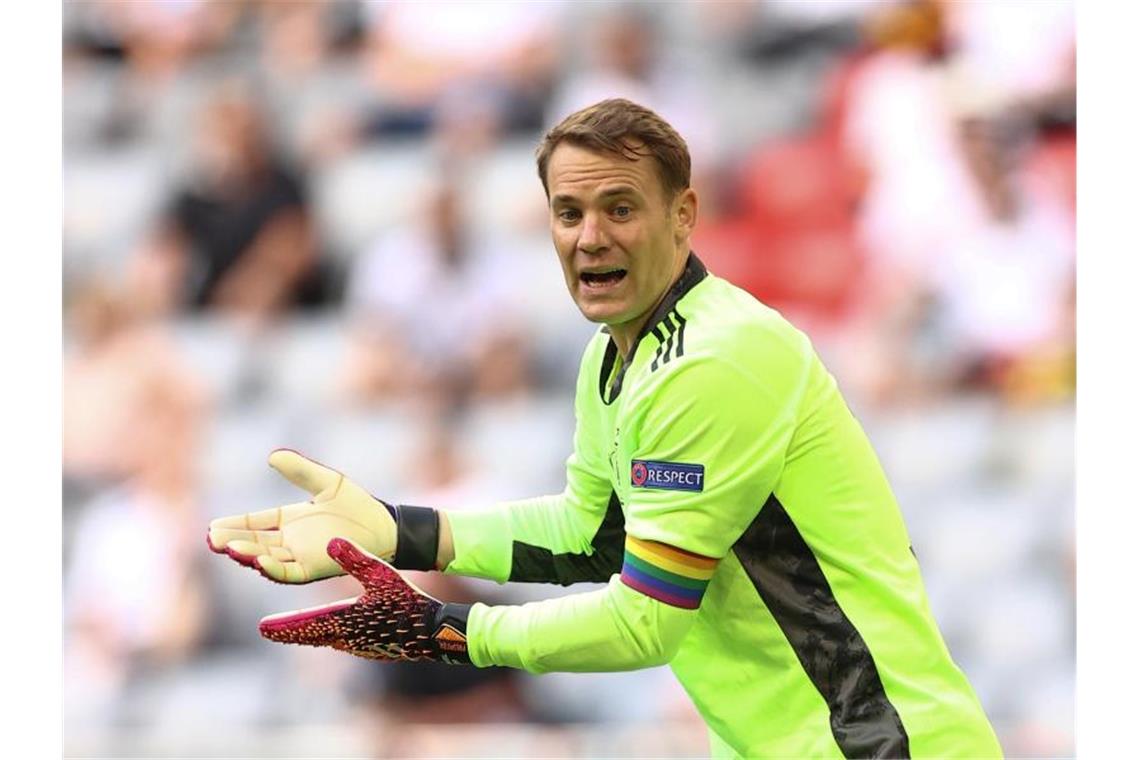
(668, 476)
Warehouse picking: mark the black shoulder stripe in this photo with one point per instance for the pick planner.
(675, 325)
(680, 333)
(664, 345)
(665, 357)
(660, 346)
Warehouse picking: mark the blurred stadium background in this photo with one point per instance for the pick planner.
(318, 224)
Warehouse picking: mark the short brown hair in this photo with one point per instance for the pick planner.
(627, 129)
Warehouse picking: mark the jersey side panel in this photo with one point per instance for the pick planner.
(744, 677)
(837, 495)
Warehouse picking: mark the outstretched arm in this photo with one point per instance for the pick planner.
(554, 539)
(637, 621)
(616, 628)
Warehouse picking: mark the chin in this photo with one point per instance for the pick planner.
(602, 312)
(608, 314)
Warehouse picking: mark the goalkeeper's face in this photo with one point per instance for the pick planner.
(621, 239)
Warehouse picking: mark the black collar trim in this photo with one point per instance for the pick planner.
(693, 273)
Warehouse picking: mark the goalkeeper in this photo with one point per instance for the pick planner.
(719, 486)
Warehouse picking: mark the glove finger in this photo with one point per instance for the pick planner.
(219, 538)
(265, 519)
(242, 527)
(281, 570)
(314, 626)
(280, 553)
(244, 552)
(374, 574)
(251, 549)
(305, 473)
(366, 567)
(224, 537)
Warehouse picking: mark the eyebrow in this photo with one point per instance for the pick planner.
(608, 193)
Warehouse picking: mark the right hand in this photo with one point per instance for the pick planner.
(288, 544)
(391, 620)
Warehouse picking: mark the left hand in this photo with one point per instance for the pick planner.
(391, 620)
(288, 544)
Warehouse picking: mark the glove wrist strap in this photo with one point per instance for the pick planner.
(451, 633)
(417, 537)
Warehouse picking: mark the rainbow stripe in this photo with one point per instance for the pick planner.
(666, 573)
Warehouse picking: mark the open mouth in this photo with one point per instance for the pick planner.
(602, 279)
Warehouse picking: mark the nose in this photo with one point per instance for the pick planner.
(592, 236)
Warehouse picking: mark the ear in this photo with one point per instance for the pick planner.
(685, 214)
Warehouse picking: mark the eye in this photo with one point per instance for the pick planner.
(622, 211)
(568, 215)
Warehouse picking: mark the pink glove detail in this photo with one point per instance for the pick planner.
(391, 620)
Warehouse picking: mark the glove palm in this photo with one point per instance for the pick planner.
(288, 544)
(391, 620)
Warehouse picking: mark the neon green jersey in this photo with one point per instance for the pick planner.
(760, 550)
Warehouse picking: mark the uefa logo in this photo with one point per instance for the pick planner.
(639, 473)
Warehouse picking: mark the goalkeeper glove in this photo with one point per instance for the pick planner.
(391, 620)
(288, 544)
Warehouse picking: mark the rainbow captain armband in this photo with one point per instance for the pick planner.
(666, 573)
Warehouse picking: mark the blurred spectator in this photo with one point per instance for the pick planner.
(149, 521)
(237, 236)
(900, 108)
(298, 36)
(129, 397)
(434, 305)
(465, 73)
(123, 624)
(133, 412)
(625, 55)
(898, 131)
(154, 39)
(929, 202)
(153, 48)
(1018, 49)
(1004, 284)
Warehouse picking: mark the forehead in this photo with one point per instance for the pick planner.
(580, 171)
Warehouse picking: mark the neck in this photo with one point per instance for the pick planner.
(625, 335)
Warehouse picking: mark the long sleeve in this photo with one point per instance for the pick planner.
(615, 628)
(549, 539)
